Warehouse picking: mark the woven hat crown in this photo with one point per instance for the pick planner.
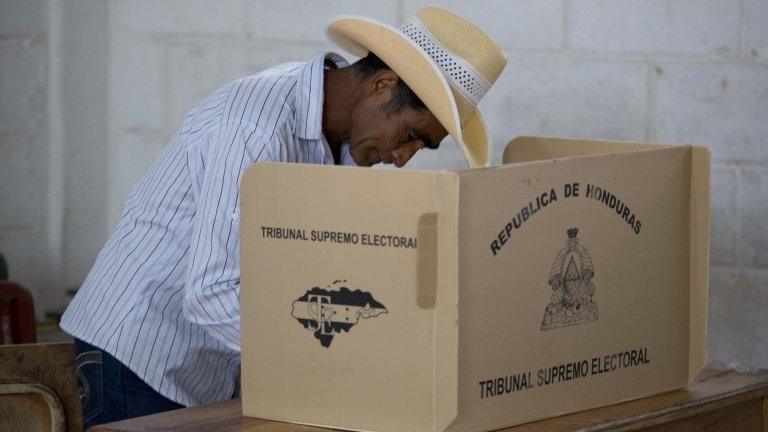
(470, 60)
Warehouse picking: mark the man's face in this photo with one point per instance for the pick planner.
(377, 136)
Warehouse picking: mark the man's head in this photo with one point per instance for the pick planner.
(446, 60)
(388, 122)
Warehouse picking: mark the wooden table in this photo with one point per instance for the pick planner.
(719, 400)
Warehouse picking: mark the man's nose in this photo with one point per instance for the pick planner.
(401, 156)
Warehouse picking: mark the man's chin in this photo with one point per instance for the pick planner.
(362, 162)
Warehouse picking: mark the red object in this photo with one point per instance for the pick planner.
(17, 315)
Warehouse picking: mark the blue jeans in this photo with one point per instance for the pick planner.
(109, 391)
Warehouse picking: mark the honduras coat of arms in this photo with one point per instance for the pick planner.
(570, 279)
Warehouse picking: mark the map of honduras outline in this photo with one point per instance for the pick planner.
(326, 312)
(572, 289)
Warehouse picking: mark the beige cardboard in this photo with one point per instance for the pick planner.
(529, 148)
(537, 148)
(459, 322)
(389, 358)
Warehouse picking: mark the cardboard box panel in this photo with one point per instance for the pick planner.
(639, 296)
(355, 229)
(530, 148)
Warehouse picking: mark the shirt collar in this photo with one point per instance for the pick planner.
(309, 97)
(346, 156)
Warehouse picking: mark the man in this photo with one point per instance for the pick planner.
(157, 320)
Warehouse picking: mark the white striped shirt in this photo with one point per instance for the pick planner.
(163, 295)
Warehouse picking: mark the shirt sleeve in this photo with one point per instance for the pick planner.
(212, 284)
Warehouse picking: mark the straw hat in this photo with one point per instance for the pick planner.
(446, 60)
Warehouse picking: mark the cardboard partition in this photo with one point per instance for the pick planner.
(572, 277)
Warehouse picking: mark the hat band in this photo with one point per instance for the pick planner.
(460, 74)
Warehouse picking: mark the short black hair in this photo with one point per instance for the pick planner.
(404, 97)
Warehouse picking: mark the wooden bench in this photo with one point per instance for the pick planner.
(38, 388)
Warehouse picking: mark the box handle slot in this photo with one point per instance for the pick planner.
(426, 265)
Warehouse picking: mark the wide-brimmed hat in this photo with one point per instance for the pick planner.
(447, 61)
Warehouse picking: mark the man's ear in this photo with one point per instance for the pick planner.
(384, 83)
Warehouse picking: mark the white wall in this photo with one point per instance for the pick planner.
(26, 212)
(674, 71)
(53, 142)
(85, 87)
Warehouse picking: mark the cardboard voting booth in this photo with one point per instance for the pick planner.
(571, 277)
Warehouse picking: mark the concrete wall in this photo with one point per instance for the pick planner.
(85, 87)
(675, 71)
(53, 142)
(26, 166)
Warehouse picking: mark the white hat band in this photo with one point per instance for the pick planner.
(459, 73)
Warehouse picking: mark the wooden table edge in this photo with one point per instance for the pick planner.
(232, 409)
